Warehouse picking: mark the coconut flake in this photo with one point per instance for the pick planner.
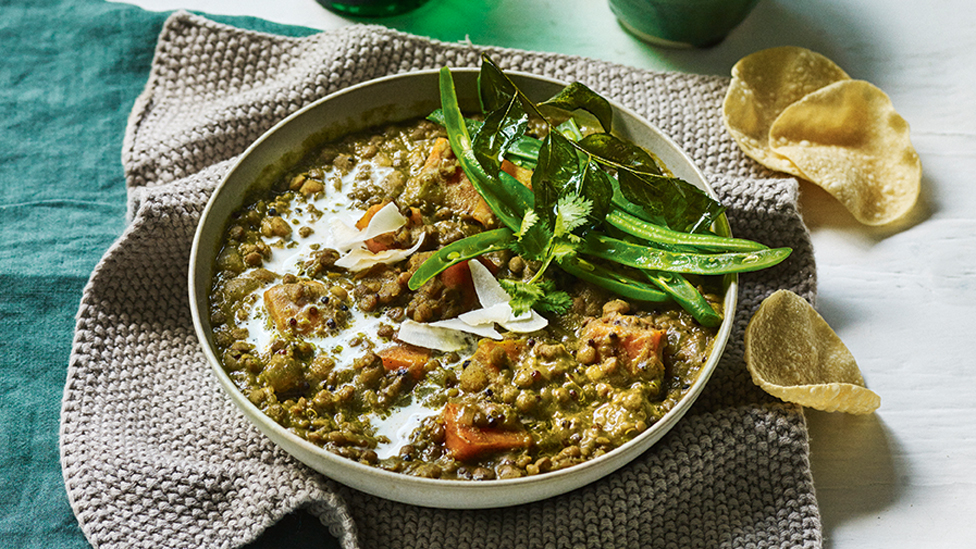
(386, 220)
(496, 304)
(459, 324)
(534, 323)
(359, 259)
(343, 233)
(432, 337)
(499, 313)
(489, 291)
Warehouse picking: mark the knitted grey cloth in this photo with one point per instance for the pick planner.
(154, 454)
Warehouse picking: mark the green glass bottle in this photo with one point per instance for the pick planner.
(371, 8)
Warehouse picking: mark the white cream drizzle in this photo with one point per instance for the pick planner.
(332, 227)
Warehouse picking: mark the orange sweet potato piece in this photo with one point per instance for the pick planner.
(466, 442)
(640, 344)
(379, 242)
(458, 277)
(460, 194)
(405, 357)
(368, 216)
(292, 306)
(523, 175)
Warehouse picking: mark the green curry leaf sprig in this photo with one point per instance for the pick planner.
(600, 207)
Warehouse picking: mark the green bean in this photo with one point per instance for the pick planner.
(661, 235)
(686, 295)
(527, 148)
(659, 254)
(458, 251)
(570, 129)
(642, 257)
(616, 282)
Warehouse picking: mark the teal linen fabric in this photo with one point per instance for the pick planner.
(69, 75)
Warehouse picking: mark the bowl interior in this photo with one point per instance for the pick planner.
(359, 107)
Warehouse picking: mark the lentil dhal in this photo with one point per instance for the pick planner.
(314, 345)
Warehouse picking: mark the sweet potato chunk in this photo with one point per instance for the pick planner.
(459, 193)
(630, 339)
(406, 357)
(379, 242)
(457, 277)
(295, 308)
(466, 442)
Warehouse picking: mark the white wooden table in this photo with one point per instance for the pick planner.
(903, 298)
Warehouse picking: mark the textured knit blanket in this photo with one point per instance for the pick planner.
(155, 455)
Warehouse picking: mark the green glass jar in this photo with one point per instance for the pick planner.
(371, 8)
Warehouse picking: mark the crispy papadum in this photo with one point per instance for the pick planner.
(794, 355)
(848, 139)
(765, 83)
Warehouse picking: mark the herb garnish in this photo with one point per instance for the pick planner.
(578, 215)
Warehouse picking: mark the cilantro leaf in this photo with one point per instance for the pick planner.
(528, 221)
(571, 213)
(541, 296)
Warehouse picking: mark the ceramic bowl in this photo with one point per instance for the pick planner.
(681, 23)
(390, 99)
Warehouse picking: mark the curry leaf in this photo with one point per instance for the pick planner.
(563, 170)
(598, 188)
(617, 153)
(645, 191)
(557, 173)
(494, 88)
(502, 128)
(675, 202)
(578, 96)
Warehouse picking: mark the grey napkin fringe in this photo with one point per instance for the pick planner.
(154, 455)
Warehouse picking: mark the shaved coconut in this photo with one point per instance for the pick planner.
(432, 337)
(341, 232)
(534, 323)
(360, 259)
(489, 291)
(386, 220)
(483, 330)
(495, 302)
(499, 313)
